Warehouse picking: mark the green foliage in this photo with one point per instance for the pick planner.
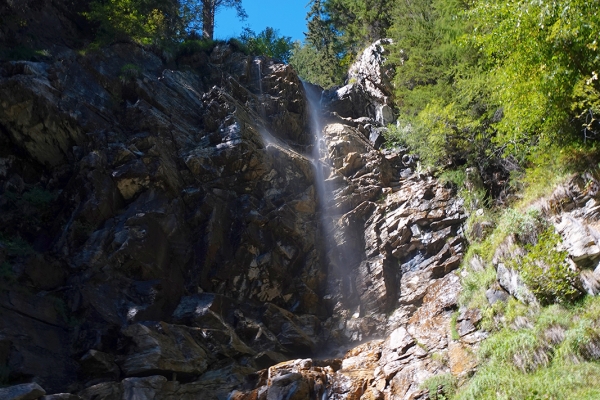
(129, 73)
(545, 271)
(4, 375)
(156, 22)
(357, 23)
(453, 328)
(337, 31)
(542, 58)
(63, 311)
(440, 387)
(268, 43)
(144, 21)
(321, 67)
(6, 272)
(192, 46)
(474, 284)
(22, 52)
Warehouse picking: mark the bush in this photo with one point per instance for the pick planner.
(129, 73)
(38, 197)
(143, 21)
(193, 46)
(546, 272)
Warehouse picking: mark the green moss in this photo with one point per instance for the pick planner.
(129, 73)
(22, 52)
(4, 375)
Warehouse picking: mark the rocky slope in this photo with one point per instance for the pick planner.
(161, 234)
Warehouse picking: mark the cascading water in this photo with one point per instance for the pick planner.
(335, 252)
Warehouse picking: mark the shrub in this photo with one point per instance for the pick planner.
(546, 272)
(129, 73)
(193, 46)
(39, 197)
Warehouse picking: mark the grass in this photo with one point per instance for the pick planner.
(453, 327)
(474, 286)
(550, 351)
(440, 387)
(555, 356)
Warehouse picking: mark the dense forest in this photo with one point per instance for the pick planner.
(495, 85)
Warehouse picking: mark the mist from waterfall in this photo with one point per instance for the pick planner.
(336, 249)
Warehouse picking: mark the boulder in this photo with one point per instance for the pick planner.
(25, 391)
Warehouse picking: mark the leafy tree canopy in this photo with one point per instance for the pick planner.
(268, 43)
(157, 21)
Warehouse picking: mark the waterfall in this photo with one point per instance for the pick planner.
(336, 262)
(319, 152)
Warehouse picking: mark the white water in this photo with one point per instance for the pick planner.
(339, 256)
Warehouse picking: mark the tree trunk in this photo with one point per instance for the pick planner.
(208, 19)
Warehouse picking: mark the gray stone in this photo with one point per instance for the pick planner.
(511, 281)
(163, 348)
(25, 391)
(580, 240)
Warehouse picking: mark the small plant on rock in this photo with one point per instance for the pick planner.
(546, 271)
(129, 73)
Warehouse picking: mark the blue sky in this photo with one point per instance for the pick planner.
(286, 16)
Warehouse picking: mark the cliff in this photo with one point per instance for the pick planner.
(212, 227)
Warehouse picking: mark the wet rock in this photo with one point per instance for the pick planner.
(290, 386)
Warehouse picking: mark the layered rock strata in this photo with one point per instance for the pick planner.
(162, 237)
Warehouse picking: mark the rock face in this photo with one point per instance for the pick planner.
(368, 92)
(161, 234)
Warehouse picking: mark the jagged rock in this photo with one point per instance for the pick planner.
(25, 391)
(96, 364)
(163, 348)
(580, 240)
(369, 89)
(496, 293)
(187, 238)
